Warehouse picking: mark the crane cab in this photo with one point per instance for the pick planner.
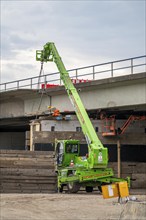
(66, 152)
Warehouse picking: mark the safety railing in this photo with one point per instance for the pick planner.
(100, 71)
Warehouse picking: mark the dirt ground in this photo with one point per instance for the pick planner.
(68, 207)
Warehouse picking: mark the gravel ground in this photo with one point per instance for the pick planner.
(68, 207)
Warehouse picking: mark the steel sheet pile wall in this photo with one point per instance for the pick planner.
(27, 172)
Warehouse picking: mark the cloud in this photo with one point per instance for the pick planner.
(85, 33)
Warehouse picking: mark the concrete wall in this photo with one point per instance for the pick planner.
(11, 108)
(135, 127)
(125, 139)
(12, 140)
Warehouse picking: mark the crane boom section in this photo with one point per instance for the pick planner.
(50, 53)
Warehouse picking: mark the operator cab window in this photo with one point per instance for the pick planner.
(72, 148)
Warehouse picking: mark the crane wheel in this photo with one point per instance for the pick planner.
(60, 190)
(73, 187)
(99, 188)
(89, 189)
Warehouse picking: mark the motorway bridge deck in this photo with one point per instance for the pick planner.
(118, 93)
(113, 86)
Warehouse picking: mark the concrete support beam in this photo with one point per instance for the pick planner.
(49, 137)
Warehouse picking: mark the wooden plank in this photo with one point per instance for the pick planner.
(22, 177)
(29, 172)
(129, 167)
(24, 152)
(141, 167)
(36, 191)
(52, 190)
(9, 184)
(11, 191)
(27, 155)
(139, 180)
(48, 187)
(28, 186)
(133, 167)
(26, 165)
(41, 161)
(12, 187)
(29, 181)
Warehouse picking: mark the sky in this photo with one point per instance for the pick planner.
(84, 32)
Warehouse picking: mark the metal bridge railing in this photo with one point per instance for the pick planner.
(94, 72)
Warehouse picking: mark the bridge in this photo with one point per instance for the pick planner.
(116, 86)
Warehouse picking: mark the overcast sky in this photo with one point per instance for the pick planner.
(85, 33)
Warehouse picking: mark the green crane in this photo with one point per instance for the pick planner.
(75, 171)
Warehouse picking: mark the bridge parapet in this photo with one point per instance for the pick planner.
(88, 73)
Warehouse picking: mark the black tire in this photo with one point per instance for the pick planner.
(73, 187)
(100, 189)
(89, 189)
(59, 190)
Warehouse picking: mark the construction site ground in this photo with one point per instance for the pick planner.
(64, 206)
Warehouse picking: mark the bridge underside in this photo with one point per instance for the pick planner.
(22, 123)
